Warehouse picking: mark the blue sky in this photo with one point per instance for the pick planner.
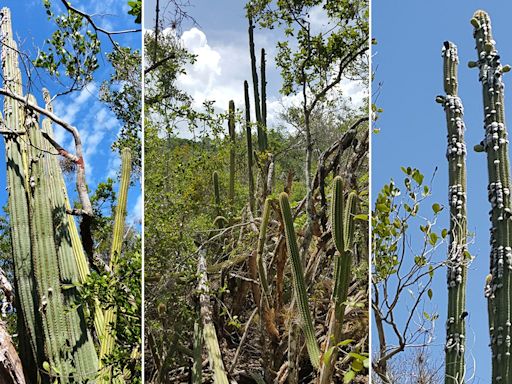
(407, 61)
(97, 125)
(220, 39)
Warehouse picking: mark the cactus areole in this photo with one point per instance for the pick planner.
(457, 249)
(495, 143)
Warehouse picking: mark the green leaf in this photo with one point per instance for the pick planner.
(417, 176)
(433, 238)
(430, 294)
(328, 354)
(436, 207)
(349, 376)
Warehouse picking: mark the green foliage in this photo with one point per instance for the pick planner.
(311, 56)
(72, 49)
(123, 94)
(135, 10)
(391, 219)
(124, 292)
(404, 240)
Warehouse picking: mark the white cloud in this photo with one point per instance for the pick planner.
(221, 68)
(319, 19)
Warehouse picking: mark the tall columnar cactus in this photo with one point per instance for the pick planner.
(56, 171)
(216, 192)
(250, 175)
(61, 347)
(262, 126)
(262, 270)
(495, 143)
(260, 111)
(107, 340)
(54, 265)
(457, 250)
(18, 187)
(298, 281)
(254, 70)
(342, 219)
(232, 137)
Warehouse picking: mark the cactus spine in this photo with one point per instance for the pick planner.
(249, 146)
(61, 346)
(299, 283)
(457, 250)
(342, 219)
(232, 136)
(108, 340)
(495, 144)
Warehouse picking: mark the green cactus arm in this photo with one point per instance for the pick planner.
(343, 225)
(337, 214)
(216, 193)
(232, 144)
(495, 144)
(299, 283)
(252, 201)
(107, 342)
(262, 271)
(197, 369)
(457, 250)
(262, 126)
(254, 72)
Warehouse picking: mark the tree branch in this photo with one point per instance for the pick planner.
(77, 159)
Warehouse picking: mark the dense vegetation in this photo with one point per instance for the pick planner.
(220, 189)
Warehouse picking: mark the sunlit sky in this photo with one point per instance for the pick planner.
(220, 39)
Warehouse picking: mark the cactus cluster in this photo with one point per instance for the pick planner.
(343, 225)
(61, 346)
(48, 255)
(457, 251)
(342, 219)
(495, 143)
